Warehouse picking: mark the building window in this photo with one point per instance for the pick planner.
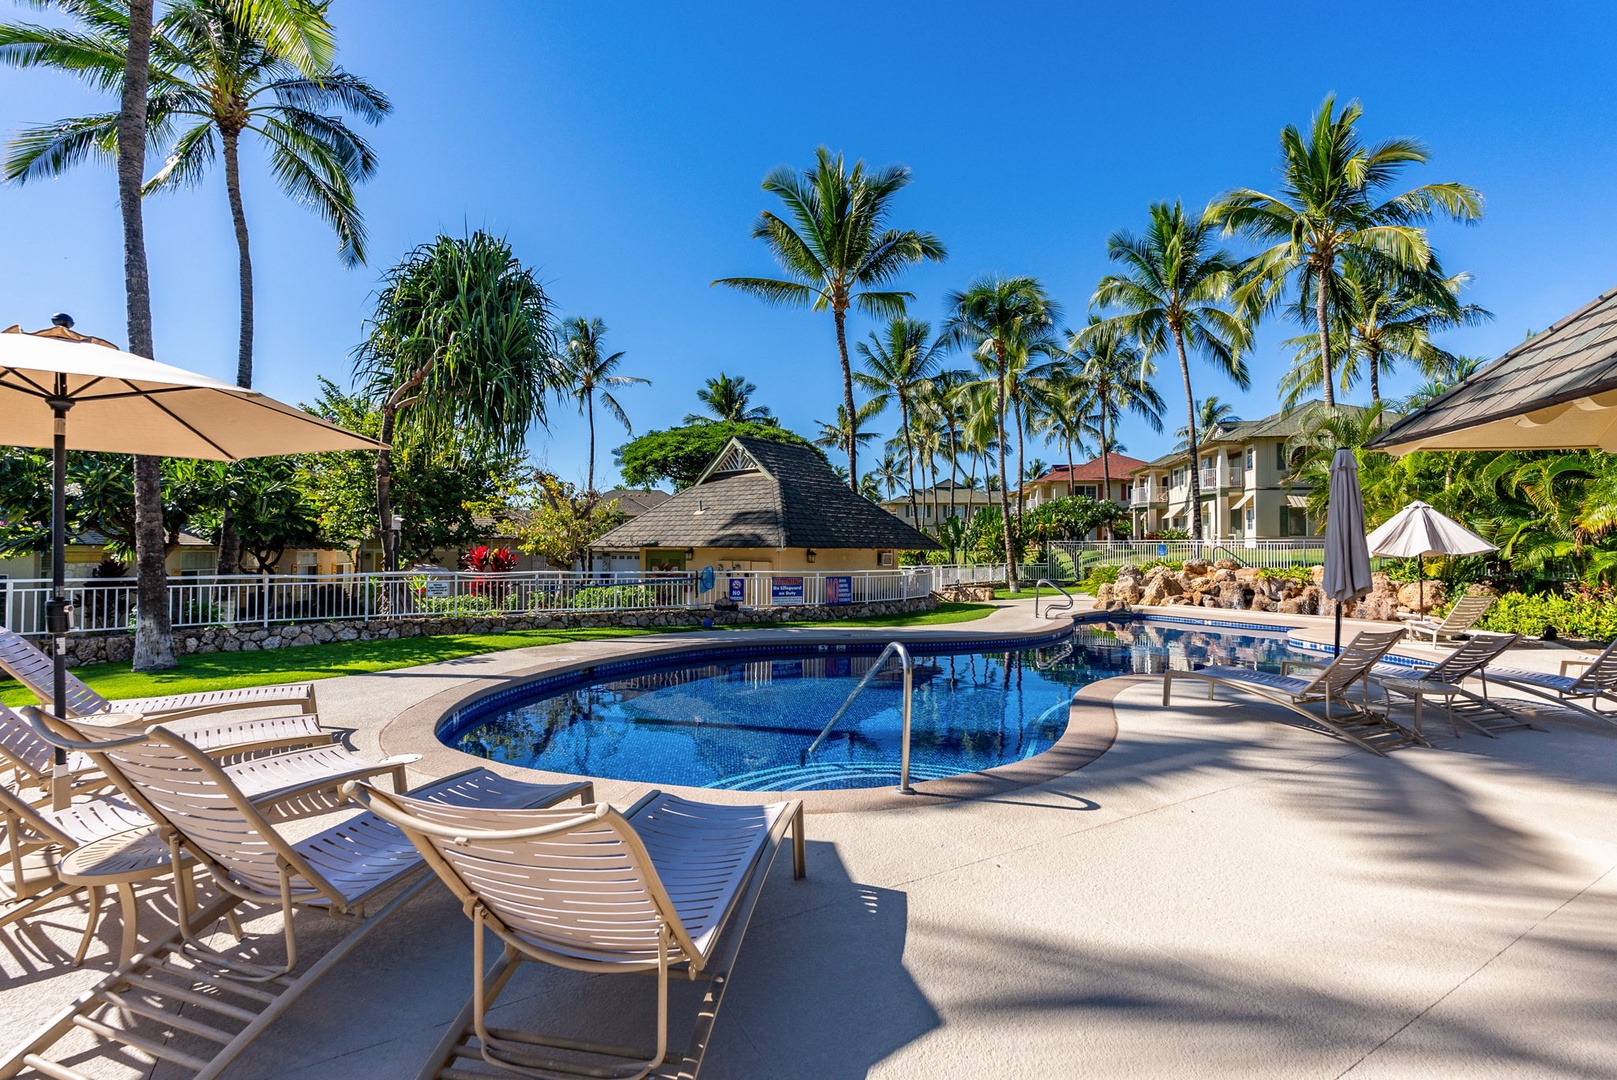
(1280, 456)
(1128, 492)
(1293, 521)
(1251, 457)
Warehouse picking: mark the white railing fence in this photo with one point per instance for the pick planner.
(1076, 559)
(254, 599)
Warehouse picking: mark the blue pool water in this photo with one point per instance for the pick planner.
(747, 723)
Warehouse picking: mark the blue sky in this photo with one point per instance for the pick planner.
(619, 147)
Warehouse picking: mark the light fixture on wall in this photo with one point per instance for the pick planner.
(690, 553)
(810, 552)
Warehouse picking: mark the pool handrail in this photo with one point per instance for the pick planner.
(1068, 606)
(909, 688)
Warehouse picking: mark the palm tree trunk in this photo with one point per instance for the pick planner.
(590, 400)
(238, 218)
(384, 492)
(1190, 441)
(954, 474)
(154, 644)
(1006, 528)
(1021, 461)
(909, 454)
(1105, 466)
(841, 317)
(1374, 359)
(1324, 338)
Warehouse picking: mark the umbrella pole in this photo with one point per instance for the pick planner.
(1420, 583)
(1339, 627)
(57, 608)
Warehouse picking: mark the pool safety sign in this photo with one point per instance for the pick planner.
(839, 589)
(786, 590)
(738, 589)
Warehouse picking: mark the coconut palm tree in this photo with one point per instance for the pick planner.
(1118, 375)
(212, 82)
(1003, 321)
(1385, 317)
(836, 249)
(297, 29)
(584, 369)
(1063, 411)
(1211, 413)
(1331, 203)
(898, 364)
(840, 434)
(890, 471)
(458, 350)
(1173, 289)
(729, 398)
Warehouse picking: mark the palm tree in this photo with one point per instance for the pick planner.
(1118, 375)
(898, 364)
(1385, 317)
(1003, 321)
(1331, 204)
(890, 473)
(300, 32)
(212, 82)
(583, 370)
(1063, 411)
(1173, 289)
(459, 349)
(727, 398)
(839, 433)
(1211, 413)
(836, 249)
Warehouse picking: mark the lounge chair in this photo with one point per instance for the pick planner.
(37, 839)
(1466, 613)
(35, 670)
(29, 758)
(1596, 682)
(362, 869)
(669, 884)
(1444, 680)
(1328, 685)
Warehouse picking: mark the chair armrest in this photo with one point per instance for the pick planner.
(1288, 666)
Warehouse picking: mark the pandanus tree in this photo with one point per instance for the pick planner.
(296, 30)
(459, 351)
(1118, 375)
(1333, 203)
(1002, 321)
(729, 398)
(585, 371)
(837, 250)
(1173, 290)
(898, 364)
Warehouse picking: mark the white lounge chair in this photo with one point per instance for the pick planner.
(669, 884)
(35, 670)
(29, 758)
(1327, 685)
(1444, 680)
(1597, 682)
(362, 868)
(1466, 612)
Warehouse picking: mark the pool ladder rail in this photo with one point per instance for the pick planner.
(893, 649)
(1068, 606)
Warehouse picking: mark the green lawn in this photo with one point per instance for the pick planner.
(224, 671)
(1027, 592)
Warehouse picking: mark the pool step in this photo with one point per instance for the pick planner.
(828, 774)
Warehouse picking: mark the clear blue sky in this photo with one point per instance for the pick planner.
(620, 146)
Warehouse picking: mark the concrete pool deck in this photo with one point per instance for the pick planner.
(1220, 894)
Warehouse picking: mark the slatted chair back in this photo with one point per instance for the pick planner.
(1466, 613)
(36, 671)
(576, 889)
(1469, 659)
(1354, 661)
(25, 824)
(22, 749)
(1600, 676)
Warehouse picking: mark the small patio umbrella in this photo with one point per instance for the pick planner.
(127, 404)
(1417, 531)
(1347, 557)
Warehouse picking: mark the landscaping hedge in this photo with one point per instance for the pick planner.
(1580, 615)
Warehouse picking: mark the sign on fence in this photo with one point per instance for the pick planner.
(738, 589)
(839, 589)
(437, 587)
(786, 590)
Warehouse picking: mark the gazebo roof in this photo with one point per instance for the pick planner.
(1556, 390)
(763, 494)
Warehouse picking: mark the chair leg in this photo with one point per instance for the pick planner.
(131, 917)
(90, 922)
(799, 855)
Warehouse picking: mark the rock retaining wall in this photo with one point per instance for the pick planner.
(1228, 584)
(119, 645)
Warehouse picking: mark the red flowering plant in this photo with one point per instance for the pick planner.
(483, 559)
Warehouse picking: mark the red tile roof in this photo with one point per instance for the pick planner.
(1120, 465)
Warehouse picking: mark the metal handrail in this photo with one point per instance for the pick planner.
(909, 689)
(1064, 607)
(1062, 653)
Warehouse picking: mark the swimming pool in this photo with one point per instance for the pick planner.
(746, 722)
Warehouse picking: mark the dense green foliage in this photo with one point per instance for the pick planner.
(1585, 614)
(679, 455)
(1069, 517)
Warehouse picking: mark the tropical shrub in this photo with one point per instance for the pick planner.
(483, 559)
(1587, 613)
(615, 596)
(456, 605)
(1296, 575)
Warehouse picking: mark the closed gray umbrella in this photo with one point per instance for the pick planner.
(1347, 556)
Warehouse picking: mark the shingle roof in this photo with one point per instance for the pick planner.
(632, 501)
(769, 495)
(1120, 465)
(1575, 358)
(1285, 424)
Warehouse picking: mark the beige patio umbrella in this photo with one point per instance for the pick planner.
(126, 404)
(1417, 531)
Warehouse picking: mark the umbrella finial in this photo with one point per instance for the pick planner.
(62, 319)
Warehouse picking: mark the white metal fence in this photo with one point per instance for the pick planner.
(1079, 557)
(253, 599)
